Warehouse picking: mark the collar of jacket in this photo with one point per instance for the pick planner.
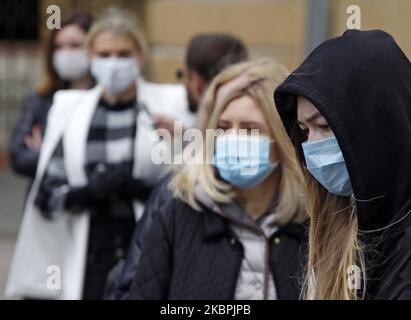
(214, 225)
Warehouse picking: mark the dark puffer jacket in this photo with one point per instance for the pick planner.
(188, 254)
(35, 110)
(121, 276)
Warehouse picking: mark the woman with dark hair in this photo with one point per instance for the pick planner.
(66, 67)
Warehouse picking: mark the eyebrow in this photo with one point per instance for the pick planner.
(243, 123)
(251, 123)
(312, 117)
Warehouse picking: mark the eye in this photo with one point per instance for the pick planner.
(124, 54)
(75, 45)
(223, 127)
(325, 127)
(103, 54)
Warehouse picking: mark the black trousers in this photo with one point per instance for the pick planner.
(109, 238)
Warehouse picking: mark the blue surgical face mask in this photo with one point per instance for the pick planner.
(326, 163)
(243, 160)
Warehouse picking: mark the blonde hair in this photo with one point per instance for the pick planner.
(120, 22)
(256, 79)
(334, 245)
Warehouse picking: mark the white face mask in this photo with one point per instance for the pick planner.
(115, 74)
(71, 64)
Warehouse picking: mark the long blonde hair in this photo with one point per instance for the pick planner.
(256, 79)
(334, 244)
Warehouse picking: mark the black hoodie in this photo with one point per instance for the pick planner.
(361, 84)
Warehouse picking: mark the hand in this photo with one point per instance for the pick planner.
(107, 179)
(41, 200)
(33, 141)
(104, 181)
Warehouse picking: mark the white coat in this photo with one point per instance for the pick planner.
(49, 258)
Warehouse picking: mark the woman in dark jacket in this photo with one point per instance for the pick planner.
(232, 230)
(348, 111)
(66, 67)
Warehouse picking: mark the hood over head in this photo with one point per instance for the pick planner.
(361, 83)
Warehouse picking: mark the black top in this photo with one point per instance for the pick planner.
(361, 84)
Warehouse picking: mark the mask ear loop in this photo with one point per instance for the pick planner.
(386, 227)
(382, 228)
(343, 209)
(353, 205)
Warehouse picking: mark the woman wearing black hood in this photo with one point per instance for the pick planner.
(347, 109)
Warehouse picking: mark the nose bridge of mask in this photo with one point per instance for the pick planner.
(236, 147)
(319, 153)
(115, 74)
(243, 161)
(242, 152)
(109, 66)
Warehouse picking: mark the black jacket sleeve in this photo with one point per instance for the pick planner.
(153, 273)
(121, 276)
(23, 160)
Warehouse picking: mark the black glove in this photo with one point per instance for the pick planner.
(42, 199)
(106, 180)
(116, 180)
(41, 202)
(54, 194)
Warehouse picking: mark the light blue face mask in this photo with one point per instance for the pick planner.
(326, 163)
(242, 160)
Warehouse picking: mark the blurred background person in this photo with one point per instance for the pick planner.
(225, 235)
(207, 54)
(95, 170)
(66, 67)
